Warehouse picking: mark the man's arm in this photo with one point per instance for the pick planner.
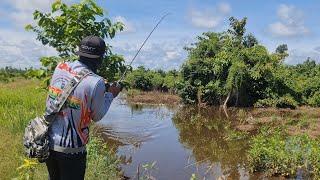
(101, 101)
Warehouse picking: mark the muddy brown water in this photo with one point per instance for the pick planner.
(181, 140)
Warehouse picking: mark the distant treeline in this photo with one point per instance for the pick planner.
(147, 80)
(8, 74)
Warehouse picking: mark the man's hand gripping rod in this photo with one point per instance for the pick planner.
(144, 42)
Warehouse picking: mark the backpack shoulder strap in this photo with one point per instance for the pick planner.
(60, 100)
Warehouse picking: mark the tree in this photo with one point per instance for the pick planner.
(281, 49)
(140, 79)
(250, 41)
(65, 26)
(146, 79)
(229, 68)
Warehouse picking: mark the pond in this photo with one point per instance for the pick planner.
(181, 141)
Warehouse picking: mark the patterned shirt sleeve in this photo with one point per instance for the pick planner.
(101, 101)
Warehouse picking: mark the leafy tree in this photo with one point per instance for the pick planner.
(229, 68)
(139, 79)
(65, 26)
(283, 48)
(250, 41)
(304, 79)
(156, 79)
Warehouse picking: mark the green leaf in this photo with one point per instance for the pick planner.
(28, 27)
(56, 5)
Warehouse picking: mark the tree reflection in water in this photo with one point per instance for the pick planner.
(210, 137)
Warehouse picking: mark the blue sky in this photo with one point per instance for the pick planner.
(273, 22)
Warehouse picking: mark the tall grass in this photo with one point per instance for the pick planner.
(21, 101)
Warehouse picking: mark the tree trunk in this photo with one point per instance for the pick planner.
(237, 98)
(226, 101)
(199, 93)
(225, 104)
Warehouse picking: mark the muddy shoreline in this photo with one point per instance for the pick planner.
(303, 120)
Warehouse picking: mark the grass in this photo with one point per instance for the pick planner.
(21, 101)
(303, 120)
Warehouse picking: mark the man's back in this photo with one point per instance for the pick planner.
(69, 132)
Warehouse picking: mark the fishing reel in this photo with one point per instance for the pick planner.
(117, 84)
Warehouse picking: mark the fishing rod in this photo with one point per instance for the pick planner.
(144, 42)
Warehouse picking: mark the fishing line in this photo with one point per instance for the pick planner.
(144, 42)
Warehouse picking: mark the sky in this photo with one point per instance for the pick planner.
(273, 22)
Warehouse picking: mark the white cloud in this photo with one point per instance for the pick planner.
(165, 55)
(290, 24)
(224, 8)
(21, 49)
(317, 49)
(23, 9)
(128, 26)
(30, 5)
(172, 54)
(209, 17)
(21, 14)
(300, 55)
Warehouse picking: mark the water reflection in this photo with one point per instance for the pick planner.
(182, 140)
(210, 137)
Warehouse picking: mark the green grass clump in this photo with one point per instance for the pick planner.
(276, 153)
(102, 162)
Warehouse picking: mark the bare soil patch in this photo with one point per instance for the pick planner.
(152, 97)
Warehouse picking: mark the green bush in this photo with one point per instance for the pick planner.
(146, 79)
(276, 153)
(314, 100)
(263, 103)
(286, 102)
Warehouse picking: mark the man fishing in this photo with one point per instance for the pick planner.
(69, 132)
(90, 100)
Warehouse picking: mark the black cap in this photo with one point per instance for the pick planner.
(92, 47)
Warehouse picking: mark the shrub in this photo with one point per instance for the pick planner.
(286, 102)
(278, 154)
(315, 99)
(263, 103)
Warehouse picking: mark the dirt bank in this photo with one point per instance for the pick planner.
(151, 97)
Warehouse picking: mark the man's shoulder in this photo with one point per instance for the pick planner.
(73, 68)
(94, 80)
